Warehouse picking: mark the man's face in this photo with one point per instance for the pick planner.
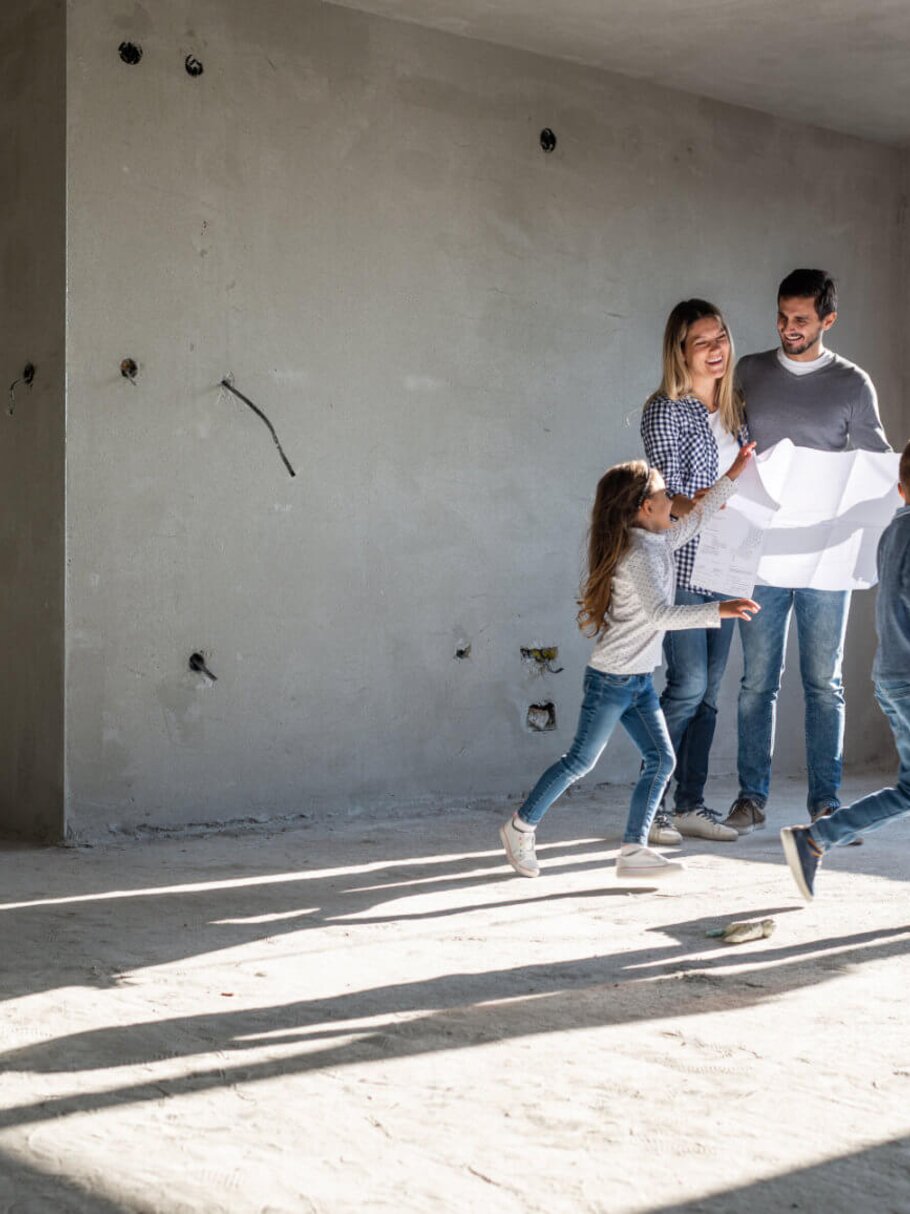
(799, 326)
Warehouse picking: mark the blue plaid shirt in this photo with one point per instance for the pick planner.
(679, 444)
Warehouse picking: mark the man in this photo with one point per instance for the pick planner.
(817, 399)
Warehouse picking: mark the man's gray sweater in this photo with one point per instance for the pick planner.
(832, 409)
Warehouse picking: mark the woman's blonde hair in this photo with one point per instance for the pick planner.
(621, 492)
(677, 382)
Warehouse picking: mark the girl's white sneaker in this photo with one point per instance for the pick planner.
(638, 861)
(519, 845)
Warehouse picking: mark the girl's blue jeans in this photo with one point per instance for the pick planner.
(610, 699)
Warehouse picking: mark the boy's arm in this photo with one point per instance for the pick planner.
(682, 531)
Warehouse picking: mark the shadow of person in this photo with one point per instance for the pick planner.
(453, 1011)
(95, 939)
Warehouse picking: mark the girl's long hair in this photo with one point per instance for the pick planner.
(621, 491)
(677, 382)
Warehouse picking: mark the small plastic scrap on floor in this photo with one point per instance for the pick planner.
(742, 933)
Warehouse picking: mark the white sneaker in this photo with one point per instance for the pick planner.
(643, 862)
(519, 845)
(663, 833)
(704, 823)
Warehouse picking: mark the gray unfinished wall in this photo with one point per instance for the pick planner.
(32, 294)
(453, 334)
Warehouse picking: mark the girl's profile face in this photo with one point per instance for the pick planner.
(706, 349)
(654, 512)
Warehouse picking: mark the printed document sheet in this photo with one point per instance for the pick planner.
(800, 518)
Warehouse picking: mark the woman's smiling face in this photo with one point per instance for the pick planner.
(707, 348)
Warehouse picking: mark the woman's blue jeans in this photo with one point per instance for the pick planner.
(871, 812)
(696, 661)
(821, 624)
(611, 699)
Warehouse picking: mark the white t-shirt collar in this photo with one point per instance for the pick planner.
(801, 368)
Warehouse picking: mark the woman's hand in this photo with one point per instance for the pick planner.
(745, 454)
(681, 505)
(739, 609)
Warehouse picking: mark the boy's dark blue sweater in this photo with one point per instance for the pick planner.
(892, 610)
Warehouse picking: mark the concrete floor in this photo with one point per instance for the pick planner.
(351, 1015)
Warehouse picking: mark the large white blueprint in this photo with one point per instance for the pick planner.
(801, 518)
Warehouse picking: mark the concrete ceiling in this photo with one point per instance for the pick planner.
(841, 64)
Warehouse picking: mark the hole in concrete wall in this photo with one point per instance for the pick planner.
(197, 664)
(130, 52)
(541, 660)
(547, 139)
(129, 369)
(462, 652)
(541, 718)
(193, 66)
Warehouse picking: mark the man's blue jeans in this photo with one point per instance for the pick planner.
(696, 660)
(609, 700)
(821, 623)
(880, 807)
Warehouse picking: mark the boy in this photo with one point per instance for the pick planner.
(804, 846)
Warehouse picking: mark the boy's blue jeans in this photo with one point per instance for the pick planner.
(611, 699)
(696, 660)
(875, 810)
(821, 623)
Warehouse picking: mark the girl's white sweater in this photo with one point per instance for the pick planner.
(644, 587)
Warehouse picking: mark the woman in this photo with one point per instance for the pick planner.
(693, 427)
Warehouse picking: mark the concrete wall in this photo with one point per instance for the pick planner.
(453, 334)
(32, 294)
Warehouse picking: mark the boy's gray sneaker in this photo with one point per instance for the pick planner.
(746, 815)
(804, 856)
(519, 845)
(704, 823)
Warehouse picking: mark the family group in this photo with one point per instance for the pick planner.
(639, 600)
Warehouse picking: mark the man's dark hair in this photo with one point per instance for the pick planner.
(903, 473)
(814, 284)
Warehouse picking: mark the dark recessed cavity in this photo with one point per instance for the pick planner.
(198, 665)
(130, 53)
(541, 718)
(129, 368)
(547, 139)
(462, 652)
(542, 659)
(193, 66)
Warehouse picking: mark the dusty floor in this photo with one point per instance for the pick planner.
(352, 1016)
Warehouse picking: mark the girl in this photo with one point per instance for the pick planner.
(627, 603)
(692, 427)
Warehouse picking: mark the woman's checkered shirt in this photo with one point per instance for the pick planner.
(679, 444)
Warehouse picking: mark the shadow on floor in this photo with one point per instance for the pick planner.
(874, 1181)
(450, 1012)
